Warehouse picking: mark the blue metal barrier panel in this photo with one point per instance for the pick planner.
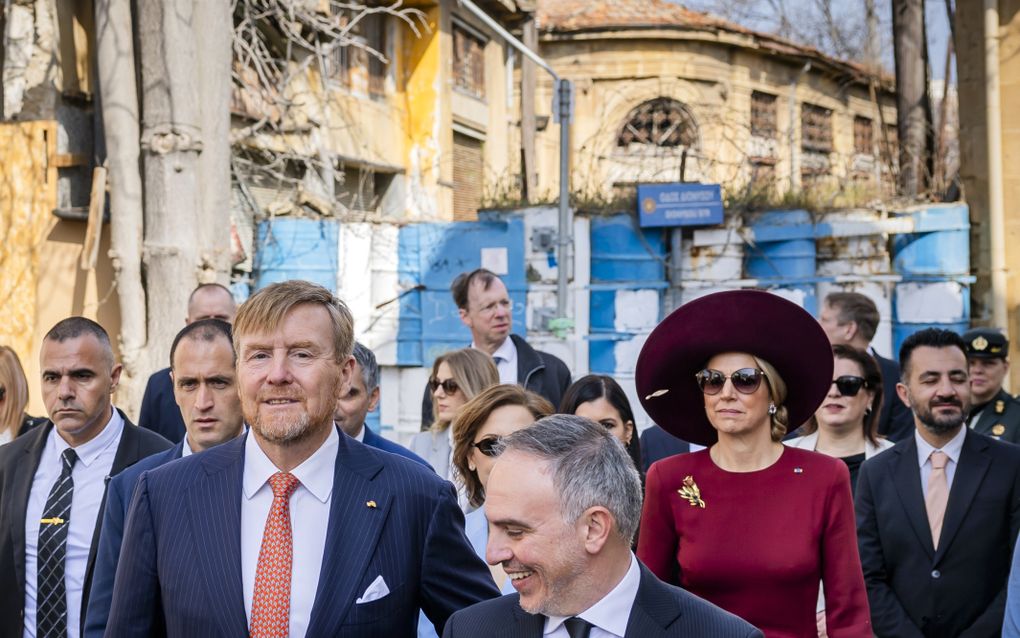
(680, 204)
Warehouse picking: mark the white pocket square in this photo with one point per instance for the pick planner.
(375, 591)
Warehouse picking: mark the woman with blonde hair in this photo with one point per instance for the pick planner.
(457, 377)
(749, 524)
(13, 395)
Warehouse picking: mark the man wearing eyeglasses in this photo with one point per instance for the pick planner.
(486, 309)
(995, 412)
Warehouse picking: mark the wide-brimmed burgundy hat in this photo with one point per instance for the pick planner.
(752, 321)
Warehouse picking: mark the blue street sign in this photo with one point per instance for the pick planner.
(679, 204)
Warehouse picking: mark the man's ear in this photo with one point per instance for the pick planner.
(464, 319)
(904, 394)
(598, 526)
(373, 399)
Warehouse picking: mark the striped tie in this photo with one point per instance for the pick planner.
(51, 611)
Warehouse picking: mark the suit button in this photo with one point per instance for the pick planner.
(936, 573)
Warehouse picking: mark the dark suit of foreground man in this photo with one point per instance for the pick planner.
(202, 370)
(566, 547)
(45, 580)
(936, 543)
(292, 529)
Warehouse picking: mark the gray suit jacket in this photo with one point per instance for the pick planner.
(659, 611)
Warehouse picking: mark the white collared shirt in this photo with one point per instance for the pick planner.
(951, 449)
(186, 451)
(90, 473)
(309, 515)
(505, 357)
(608, 616)
(360, 438)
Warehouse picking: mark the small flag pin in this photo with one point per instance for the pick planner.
(370, 504)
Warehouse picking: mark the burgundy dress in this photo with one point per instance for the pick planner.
(762, 542)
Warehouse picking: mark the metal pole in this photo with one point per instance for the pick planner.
(565, 94)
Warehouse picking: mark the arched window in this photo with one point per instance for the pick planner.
(658, 125)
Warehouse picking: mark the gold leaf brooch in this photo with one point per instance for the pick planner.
(691, 492)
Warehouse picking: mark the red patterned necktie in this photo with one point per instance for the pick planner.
(270, 608)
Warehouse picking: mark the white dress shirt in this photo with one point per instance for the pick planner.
(360, 437)
(186, 451)
(90, 474)
(505, 357)
(608, 616)
(951, 449)
(309, 514)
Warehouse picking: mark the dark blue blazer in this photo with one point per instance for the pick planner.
(895, 420)
(160, 412)
(657, 444)
(372, 439)
(660, 611)
(179, 572)
(118, 497)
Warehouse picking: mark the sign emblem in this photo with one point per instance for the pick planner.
(979, 344)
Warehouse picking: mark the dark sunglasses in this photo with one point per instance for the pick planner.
(745, 380)
(449, 386)
(487, 446)
(849, 385)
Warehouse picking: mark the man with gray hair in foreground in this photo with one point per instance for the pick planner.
(563, 502)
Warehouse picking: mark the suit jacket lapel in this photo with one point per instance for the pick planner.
(970, 471)
(527, 625)
(654, 610)
(215, 512)
(354, 529)
(21, 486)
(906, 476)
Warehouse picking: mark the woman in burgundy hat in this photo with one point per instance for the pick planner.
(749, 524)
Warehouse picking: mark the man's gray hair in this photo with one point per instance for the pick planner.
(369, 367)
(590, 467)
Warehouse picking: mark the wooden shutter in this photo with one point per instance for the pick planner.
(467, 177)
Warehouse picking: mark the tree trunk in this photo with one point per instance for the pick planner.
(911, 93)
(213, 26)
(171, 144)
(119, 106)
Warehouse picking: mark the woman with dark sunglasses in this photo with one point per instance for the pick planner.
(496, 412)
(845, 426)
(456, 378)
(748, 524)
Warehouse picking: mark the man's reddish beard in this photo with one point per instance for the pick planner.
(291, 430)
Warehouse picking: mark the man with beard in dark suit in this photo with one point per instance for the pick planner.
(938, 513)
(563, 503)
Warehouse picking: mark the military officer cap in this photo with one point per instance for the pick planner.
(986, 343)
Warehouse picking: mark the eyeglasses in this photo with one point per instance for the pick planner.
(745, 380)
(849, 385)
(449, 385)
(488, 446)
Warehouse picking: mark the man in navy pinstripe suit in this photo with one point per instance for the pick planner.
(563, 503)
(354, 544)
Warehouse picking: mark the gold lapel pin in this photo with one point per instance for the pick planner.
(56, 520)
(998, 429)
(1000, 407)
(370, 504)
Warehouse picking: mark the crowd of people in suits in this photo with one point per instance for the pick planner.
(795, 484)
